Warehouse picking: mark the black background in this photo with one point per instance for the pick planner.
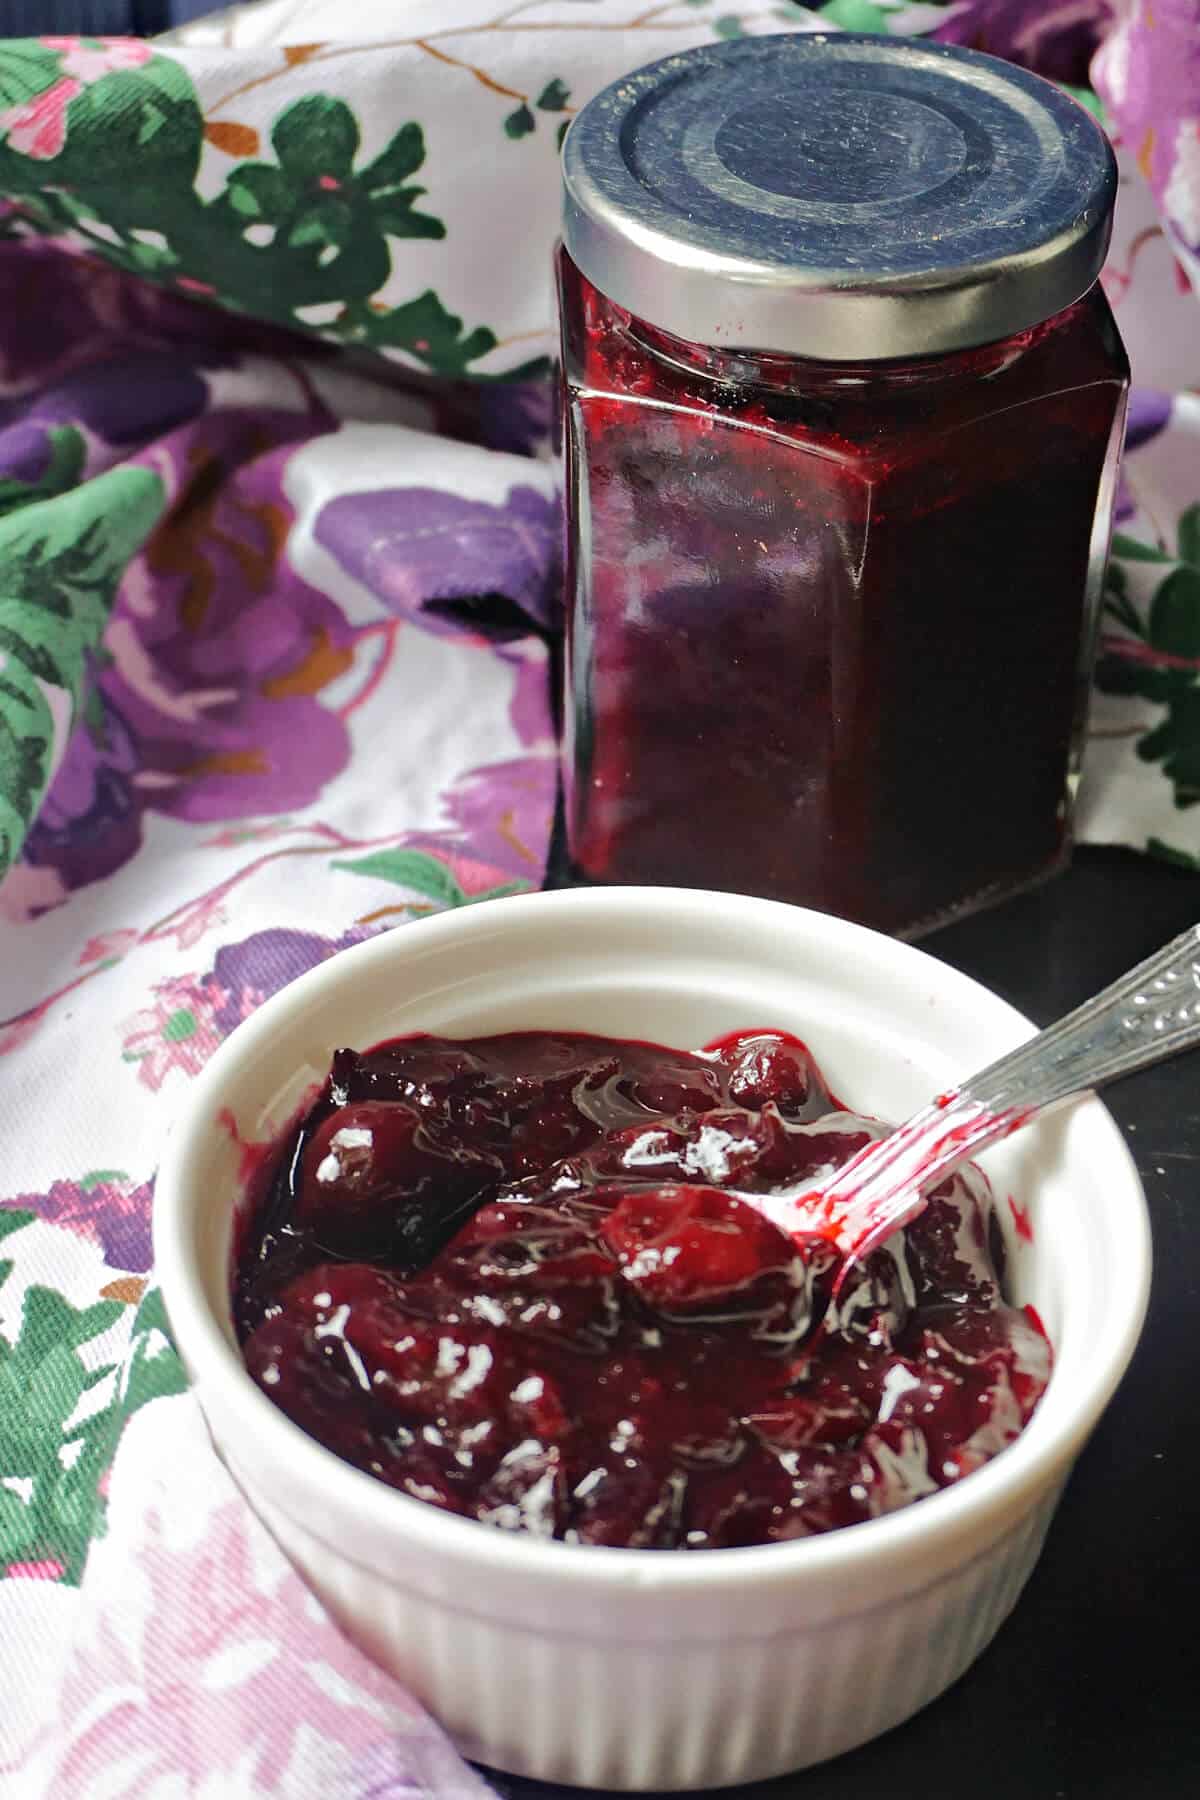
(1092, 1688)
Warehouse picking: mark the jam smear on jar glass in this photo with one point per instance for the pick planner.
(504, 1276)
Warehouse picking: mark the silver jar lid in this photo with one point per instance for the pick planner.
(836, 196)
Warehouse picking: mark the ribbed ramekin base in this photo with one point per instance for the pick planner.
(562, 1707)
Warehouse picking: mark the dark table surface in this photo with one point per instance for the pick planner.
(1091, 1691)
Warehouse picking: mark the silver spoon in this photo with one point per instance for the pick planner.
(1143, 1017)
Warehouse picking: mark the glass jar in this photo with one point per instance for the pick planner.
(841, 438)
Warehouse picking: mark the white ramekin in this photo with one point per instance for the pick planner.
(637, 1669)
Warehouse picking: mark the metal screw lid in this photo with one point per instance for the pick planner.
(836, 196)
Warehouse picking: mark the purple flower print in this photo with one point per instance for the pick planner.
(251, 971)
(1054, 37)
(58, 313)
(412, 1765)
(529, 710)
(501, 816)
(413, 546)
(188, 1015)
(127, 398)
(516, 416)
(106, 1207)
(1149, 414)
(24, 453)
(207, 703)
(90, 822)
(75, 312)
(1148, 74)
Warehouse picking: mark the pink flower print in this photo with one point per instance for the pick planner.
(194, 920)
(1181, 195)
(108, 944)
(90, 58)
(15, 1032)
(178, 1031)
(49, 1570)
(27, 891)
(201, 1665)
(38, 127)
(237, 835)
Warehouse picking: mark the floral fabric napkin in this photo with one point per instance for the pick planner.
(274, 629)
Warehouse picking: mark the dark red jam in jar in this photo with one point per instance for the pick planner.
(842, 408)
(506, 1276)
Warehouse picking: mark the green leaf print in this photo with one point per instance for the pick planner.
(424, 874)
(1159, 660)
(42, 1380)
(49, 1321)
(1174, 618)
(258, 192)
(520, 122)
(57, 1456)
(1176, 744)
(554, 96)
(1182, 859)
(26, 69)
(145, 119)
(280, 238)
(327, 221)
(153, 1370)
(321, 233)
(24, 761)
(316, 140)
(393, 166)
(409, 869)
(1090, 101)
(129, 159)
(181, 1024)
(1133, 550)
(1189, 535)
(16, 1527)
(60, 561)
(54, 1389)
(315, 198)
(68, 453)
(323, 228)
(424, 327)
(854, 15)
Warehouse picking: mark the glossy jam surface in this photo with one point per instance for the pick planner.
(829, 626)
(503, 1276)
